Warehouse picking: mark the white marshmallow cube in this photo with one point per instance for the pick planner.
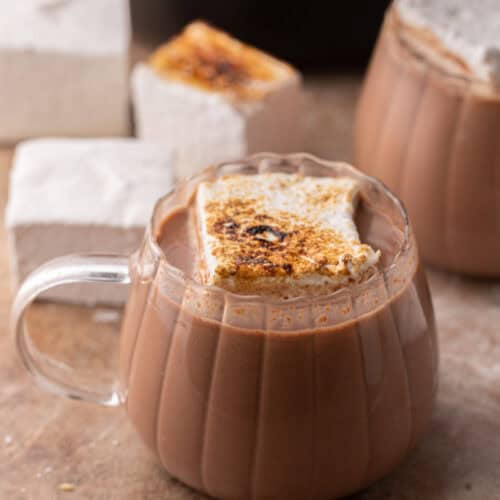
(74, 196)
(63, 68)
(216, 99)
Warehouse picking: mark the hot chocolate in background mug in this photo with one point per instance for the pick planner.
(247, 396)
(429, 127)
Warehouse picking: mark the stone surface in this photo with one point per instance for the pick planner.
(46, 441)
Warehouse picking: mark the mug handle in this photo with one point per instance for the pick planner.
(78, 268)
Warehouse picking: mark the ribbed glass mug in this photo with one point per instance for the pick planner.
(431, 132)
(251, 397)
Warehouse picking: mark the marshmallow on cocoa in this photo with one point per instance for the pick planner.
(467, 31)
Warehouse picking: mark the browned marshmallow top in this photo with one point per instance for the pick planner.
(281, 234)
(209, 59)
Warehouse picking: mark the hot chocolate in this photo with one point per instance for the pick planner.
(428, 126)
(264, 396)
(247, 396)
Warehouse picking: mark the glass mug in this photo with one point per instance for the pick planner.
(431, 132)
(255, 397)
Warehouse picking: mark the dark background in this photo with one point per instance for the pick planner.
(311, 34)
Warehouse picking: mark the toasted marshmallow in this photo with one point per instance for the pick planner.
(281, 234)
(213, 98)
(468, 31)
(211, 60)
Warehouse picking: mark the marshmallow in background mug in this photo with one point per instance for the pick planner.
(63, 68)
(466, 32)
(214, 98)
(82, 195)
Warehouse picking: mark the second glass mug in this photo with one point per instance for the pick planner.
(431, 131)
(251, 397)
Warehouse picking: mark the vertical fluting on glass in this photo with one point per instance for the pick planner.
(143, 268)
(387, 391)
(418, 350)
(232, 409)
(400, 119)
(151, 350)
(341, 445)
(387, 135)
(375, 98)
(472, 190)
(185, 394)
(426, 175)
(256, 452)
(450, 170)
(425, 300)
(137, 300)
(285, 429)
(495, 165)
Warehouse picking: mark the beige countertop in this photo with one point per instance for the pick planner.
(46, 441)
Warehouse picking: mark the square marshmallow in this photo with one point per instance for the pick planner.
(63, 68)
(73, 196)
(215, 99)
(281, 234)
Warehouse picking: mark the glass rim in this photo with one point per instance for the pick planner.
(189, 281)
